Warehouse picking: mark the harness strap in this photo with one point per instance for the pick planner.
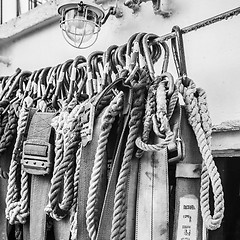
(188, 220)
(36, 160)
(86, 165)
(132, 198)
(152, 214)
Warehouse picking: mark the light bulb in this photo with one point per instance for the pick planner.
(80, 30)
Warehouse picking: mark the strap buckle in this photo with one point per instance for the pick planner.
(176, 151)
(87, 121)
(37, 157)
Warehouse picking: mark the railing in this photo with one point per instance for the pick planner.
(12, 9)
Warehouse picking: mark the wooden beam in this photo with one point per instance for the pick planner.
(226, 139)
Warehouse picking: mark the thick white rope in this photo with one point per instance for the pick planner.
(108, 118)
(199, 119)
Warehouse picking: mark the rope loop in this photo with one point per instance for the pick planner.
(108, 119)
(136, 114)
(199, 119)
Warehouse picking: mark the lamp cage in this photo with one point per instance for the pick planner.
(80, 23)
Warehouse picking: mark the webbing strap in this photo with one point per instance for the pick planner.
(152, 214)
(86, 165)
(39, 131)
(37, 149)
(187, 219)
(40, 126)
(40, 186)
(131, 199)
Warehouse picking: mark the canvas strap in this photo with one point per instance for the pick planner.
(86, 165)
(37, 161)
(187, 219)
(152, 214)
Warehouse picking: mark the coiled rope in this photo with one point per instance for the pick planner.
(157, 112)
(108, 119)
(199, 119)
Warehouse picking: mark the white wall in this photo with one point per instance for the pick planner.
(212, 53)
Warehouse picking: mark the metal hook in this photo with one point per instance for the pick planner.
(60, 80)
(178, 52)
(73, 78)
(129, 50)
(90, 71)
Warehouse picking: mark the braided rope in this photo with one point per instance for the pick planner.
(9, 130)
(172, 103)
(70, 158)
(4, 120)
(73, 220)
(134, 123)
(160, 107)
(195, 107)
(147, 124)
(76, 179)
(72, 140)
(161, 110)
(108, 118)
(17, 211)
(74, 227)
(57, 123)
(3, 116)
(69, 137)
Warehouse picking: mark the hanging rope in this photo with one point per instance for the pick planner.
(118, 222)
(9, 130)
(67, 140)
(108, 119)
(196, 108)
(156, 112)
(73, 227)
(17, 210)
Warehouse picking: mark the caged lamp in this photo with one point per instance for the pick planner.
(81, 23)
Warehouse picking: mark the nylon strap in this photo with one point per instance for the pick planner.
(152, 216)
(86, 165)
(39, 130)
(187, 220)
(105, 223)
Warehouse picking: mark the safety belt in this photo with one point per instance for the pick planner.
(37, 160)
(86, 165)
(188, 220)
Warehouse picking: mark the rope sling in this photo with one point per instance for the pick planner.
(67, 88)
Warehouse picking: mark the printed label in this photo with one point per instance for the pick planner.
(188, 218)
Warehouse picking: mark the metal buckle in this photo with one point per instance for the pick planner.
(37, 157)
(87, 121)
(176, 151)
